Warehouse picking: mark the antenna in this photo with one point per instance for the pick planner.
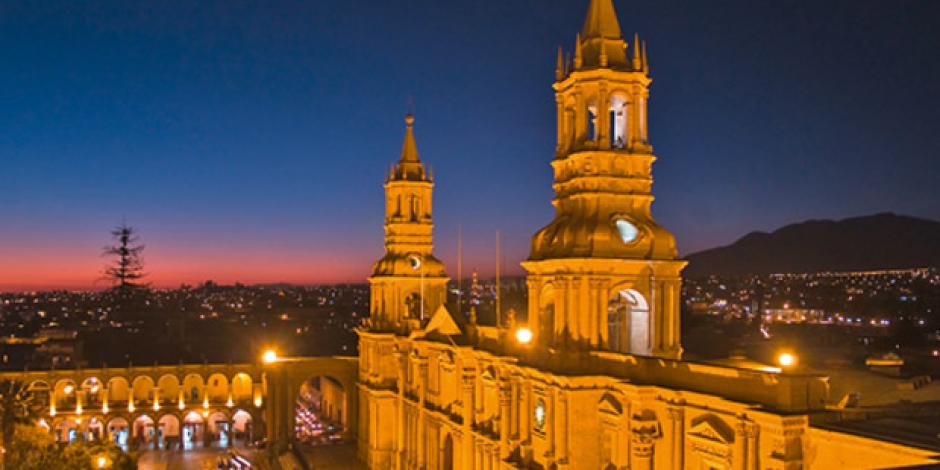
(459, 269)
(499, 311)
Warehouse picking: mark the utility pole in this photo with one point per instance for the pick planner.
(499, 310)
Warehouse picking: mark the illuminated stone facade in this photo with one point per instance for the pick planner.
(601, 384)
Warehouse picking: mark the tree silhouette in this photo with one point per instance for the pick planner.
(127, 266)
(16, 407)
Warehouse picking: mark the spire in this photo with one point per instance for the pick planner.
(560, 66)
(637, 65)
(646, 64)
(601, 21)
(409, 150)
(600, 39)
(578, 58)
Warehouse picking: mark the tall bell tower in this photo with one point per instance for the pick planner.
(408, 284)
(603, 275)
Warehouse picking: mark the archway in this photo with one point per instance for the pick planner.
(628, 323)
(65, 395)
(193, 387)
(447, 453)
(546, 318)
(169, 388)
(39, 393)
(142, 389)
(321, 411)
(118, 432)
(66, 430)
(168, 432)
(217, 388)
(220, 429)
(119, 392)
(92, 392)
(94, 430)
(142, 431)
(242, 389)
(241, 426)
(194, 433)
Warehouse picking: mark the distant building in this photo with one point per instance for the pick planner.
(794, 315)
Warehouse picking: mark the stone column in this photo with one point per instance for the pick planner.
(642, 451)
(422, 395)
(401, 361)
(739, 456)
(753, 458)
(677, 418)
(467, 378)
(603, 119)
(505, 399)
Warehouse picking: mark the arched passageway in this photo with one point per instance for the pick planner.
(321, 412)
(168, 432)
(118, 432)
(143, 432)
(194, 430)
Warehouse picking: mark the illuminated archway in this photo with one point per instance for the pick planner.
(320, 412)
(628, 323)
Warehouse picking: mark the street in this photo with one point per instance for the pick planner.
(195, 459)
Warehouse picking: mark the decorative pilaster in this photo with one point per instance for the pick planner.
(505, 400)
(677, 435)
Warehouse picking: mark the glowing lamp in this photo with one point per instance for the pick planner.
(104, 408)
(52, 410)
(258, 402)
(787, 359)
(270, 356)
(68, 389)
(130, 406)
(524, 335)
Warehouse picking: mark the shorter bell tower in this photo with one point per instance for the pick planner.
(408, 284)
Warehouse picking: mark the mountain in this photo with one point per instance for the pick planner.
(880, 241)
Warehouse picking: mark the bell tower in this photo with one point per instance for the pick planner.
(408, 284)
(603, 275)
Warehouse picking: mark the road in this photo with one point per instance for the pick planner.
(196, 459)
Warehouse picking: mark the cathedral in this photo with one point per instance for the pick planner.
(592, 377)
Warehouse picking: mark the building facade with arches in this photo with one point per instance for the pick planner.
(593, 378)
(154, 407)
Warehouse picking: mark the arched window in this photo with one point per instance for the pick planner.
(628, 323)
(618, 122)
(415, 207)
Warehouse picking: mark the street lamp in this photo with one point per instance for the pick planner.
(786, 359)
(269, 356)
(524, 335)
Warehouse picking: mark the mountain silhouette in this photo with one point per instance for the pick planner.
(880, 241)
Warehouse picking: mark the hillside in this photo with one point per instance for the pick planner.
(879, 241)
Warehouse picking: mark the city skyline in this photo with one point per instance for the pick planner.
(239, 154)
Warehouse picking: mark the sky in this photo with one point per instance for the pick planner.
(247, 141)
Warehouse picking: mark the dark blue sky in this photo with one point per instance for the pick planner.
(248, 140)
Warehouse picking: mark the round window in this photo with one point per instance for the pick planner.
(415, 262)
(628, 231)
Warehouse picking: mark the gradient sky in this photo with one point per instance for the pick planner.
(248, 140)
